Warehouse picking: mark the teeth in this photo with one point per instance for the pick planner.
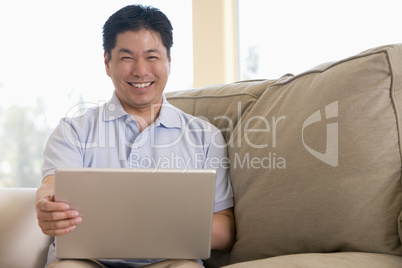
(141, 85)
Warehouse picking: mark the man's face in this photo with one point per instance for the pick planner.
(139, 68)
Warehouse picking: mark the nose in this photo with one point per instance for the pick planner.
(140, 68)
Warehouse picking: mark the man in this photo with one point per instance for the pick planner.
(137, 123)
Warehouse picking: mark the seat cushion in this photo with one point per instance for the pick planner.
(330, 260)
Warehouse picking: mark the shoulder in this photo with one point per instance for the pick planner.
(82, 123)
(89, 115)
(85, 117)
(176, 117)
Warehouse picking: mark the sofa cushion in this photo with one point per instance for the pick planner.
(329, 260)
(221, 105)
(316, 162)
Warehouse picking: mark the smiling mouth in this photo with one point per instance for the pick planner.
(140, 85)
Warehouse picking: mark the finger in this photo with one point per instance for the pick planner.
(47, 205)
(59, 227)
(65, 224)
(59, 232)
(57, 215)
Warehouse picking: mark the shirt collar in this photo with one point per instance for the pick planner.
(113, 109)
(169, 116)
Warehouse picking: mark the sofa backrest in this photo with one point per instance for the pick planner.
(221, 105)
(315, 158)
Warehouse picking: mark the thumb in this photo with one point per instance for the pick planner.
(49, 197)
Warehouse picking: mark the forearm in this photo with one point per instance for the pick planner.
(46, 189)
(223, 230)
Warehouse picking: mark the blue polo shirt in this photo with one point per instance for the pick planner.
(108, 137)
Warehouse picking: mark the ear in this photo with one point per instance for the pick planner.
(170, 60)
(106, 60)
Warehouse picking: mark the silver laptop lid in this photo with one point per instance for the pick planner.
(137, 213)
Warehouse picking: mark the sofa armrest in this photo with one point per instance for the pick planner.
(22, 243)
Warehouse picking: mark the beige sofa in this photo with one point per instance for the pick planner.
(315, 168)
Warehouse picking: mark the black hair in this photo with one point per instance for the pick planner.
(135, 18)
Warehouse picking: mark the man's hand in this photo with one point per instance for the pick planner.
(54, 218)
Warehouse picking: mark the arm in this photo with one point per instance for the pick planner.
(54, 218)
(223, 230)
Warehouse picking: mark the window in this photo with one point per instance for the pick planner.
(51, 60)
(279, 37)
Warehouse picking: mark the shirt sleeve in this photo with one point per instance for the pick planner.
(217, 159)
(63, 149)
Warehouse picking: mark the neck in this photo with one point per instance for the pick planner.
(144, 116)
(147, 118)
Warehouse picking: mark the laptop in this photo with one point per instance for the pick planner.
(137, 213)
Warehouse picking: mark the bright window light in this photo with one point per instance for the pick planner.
(279, 37)
(52, 59)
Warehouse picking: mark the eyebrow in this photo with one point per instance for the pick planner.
(125, 50)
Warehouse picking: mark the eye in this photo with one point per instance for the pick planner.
(126, 58)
